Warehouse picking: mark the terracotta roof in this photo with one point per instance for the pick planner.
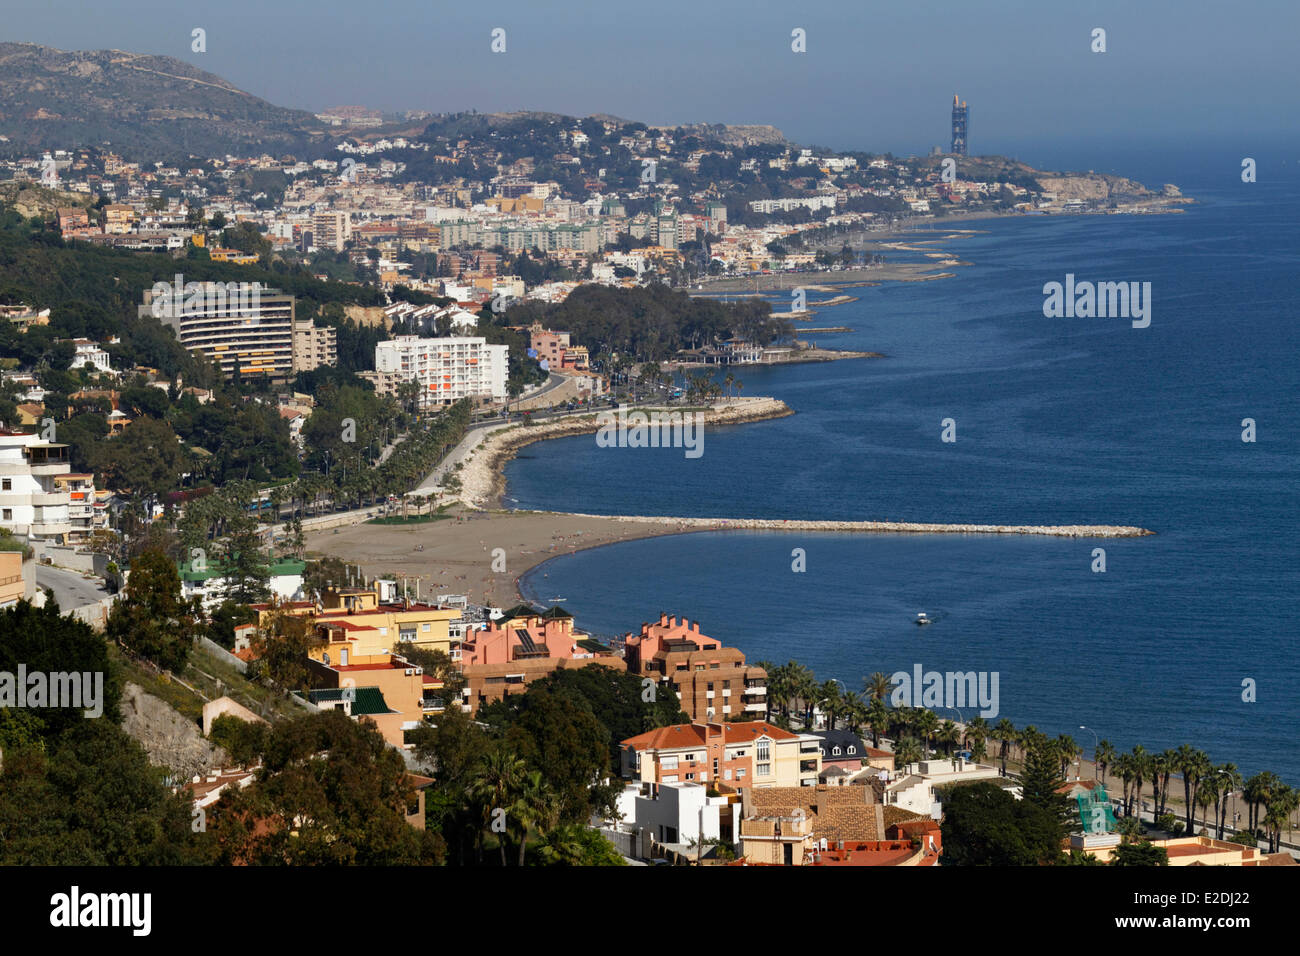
(692, 735)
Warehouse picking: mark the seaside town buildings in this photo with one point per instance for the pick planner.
(445, 370)
(505, 655)
(752, 754)
(248, 329)
(712, 681)
(41, 497)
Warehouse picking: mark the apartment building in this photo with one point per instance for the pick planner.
(549, 346)
(713, 681)
(247, 328)
(753, 754)
(446, 370)
(119, 219)
(314, 347)
(506, 655)
(388, 691)
(87, 508)
(331, 230)
(32, 502)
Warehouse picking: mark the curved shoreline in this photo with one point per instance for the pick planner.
(483, 480)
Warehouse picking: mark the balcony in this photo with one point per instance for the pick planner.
(49, 528)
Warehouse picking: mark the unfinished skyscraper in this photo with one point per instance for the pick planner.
(958, 126)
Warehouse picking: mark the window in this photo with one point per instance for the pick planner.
(426, 627)
(852, 750)
(740, 774)
(690, 776)
(835, 751)
(763, 769)
(764, 750)
(8, 514)
(668, 763)
(8, 485)
(671, 778)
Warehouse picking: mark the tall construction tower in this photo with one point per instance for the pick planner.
(958, 126)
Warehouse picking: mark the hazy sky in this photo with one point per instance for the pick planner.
(875, 75)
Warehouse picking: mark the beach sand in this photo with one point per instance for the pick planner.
(458, 551)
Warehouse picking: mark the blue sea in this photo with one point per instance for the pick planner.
(1058, 421)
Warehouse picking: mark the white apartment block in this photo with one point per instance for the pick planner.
(446, 370)
(32, 500)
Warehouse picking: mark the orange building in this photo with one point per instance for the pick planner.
(388, 690)
(712, 681)
(750, 755)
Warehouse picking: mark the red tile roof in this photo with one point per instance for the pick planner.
(692, 735)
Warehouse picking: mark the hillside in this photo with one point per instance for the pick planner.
(155, 105)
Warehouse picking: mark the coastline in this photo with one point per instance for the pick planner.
(483, 476)
(456, 554)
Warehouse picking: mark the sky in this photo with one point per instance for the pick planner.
(1176, 74)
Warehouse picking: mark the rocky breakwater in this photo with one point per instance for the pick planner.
(887, 527)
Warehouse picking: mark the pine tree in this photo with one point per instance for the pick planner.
(1040, 784)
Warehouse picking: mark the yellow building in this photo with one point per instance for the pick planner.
(365, 625)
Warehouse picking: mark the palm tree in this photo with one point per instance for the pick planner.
(1193, 764)
(496, 786)
(729, 380)
(877, 686)
(948, 735)
(1141, 767)
(977, 731)
(854, 710)
(1103, 758)
(536, 806)
(1226, 779)
(877, 715)
(1005, 732)
(1281, 803)
(831, 700)
(1068, 751)
(1162, 765)
(1256, 792)
(927, 725)
(1123, 767)
(907, 751)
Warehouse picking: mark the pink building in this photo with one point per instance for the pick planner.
(524, 634)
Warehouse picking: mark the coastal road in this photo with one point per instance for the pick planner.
(71, 589)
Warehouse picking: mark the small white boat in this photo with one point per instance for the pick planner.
(557, 600)
(922, 620)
